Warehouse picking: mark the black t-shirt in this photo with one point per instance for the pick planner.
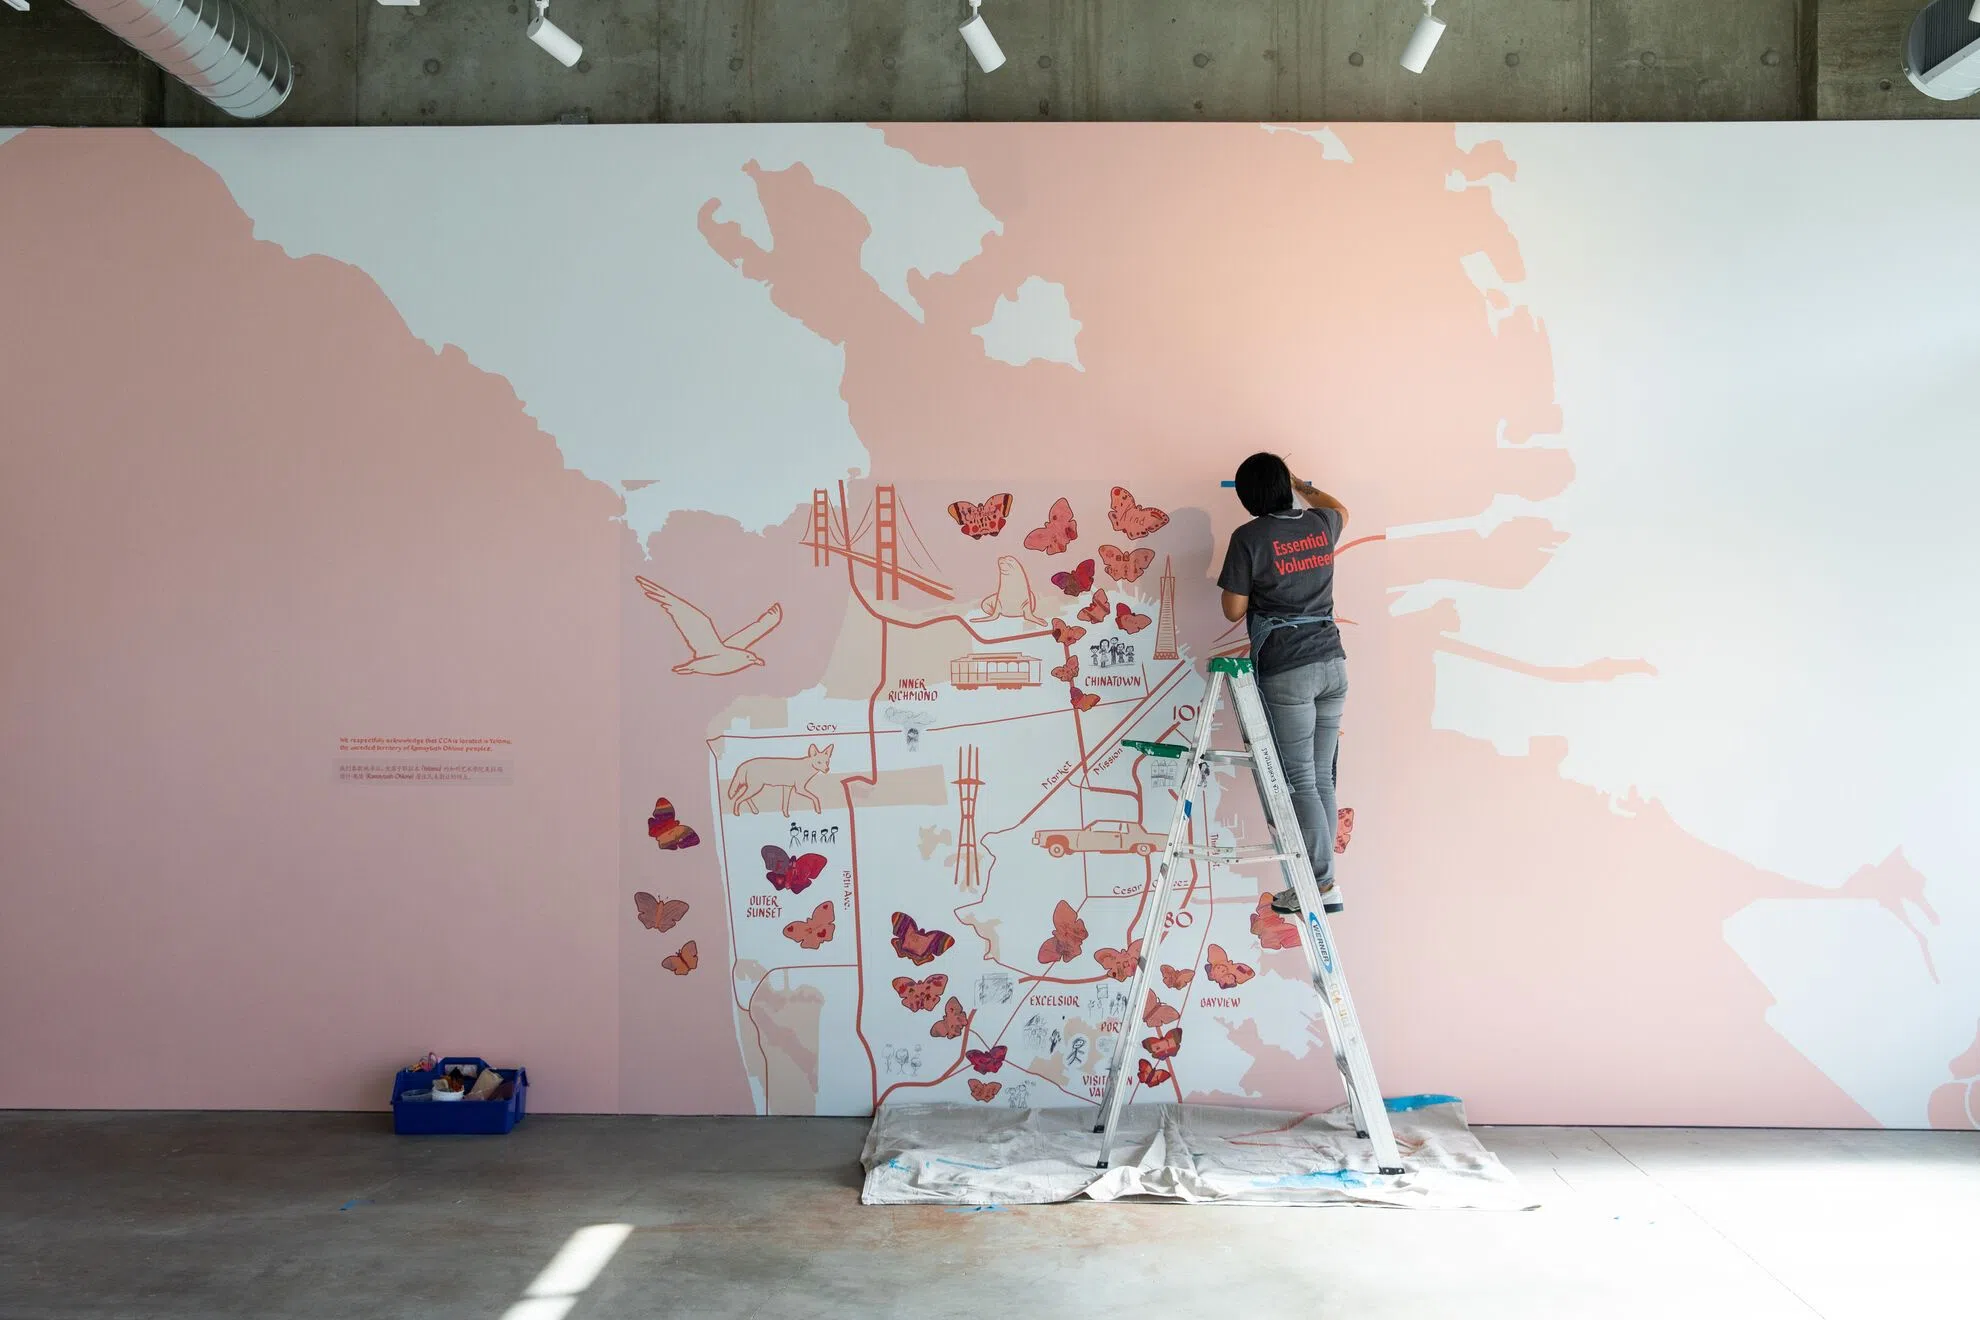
(1285, 563)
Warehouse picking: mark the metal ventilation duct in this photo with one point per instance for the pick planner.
(212, 46)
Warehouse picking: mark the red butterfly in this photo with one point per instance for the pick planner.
(1123, 566)
(1344, 830)
(1165, 1045)
(1084, 701)
(816, 931)
(919, 946)
(987, 1061)
(669, 833)
(1068, 671)
(1153, 1076)
(1061, 529)
(981, 520)
(1132, 520)
(984, 1091)
(1065, 634)
(1177, 980)
(1097, 611)
(680, 964)
(953, 1021)
(1223, 971)
(659, 913)
(784, 871)
(1120, 963)
(921, 996)
(1158, 1014)
(1075, 581)
(1273, 931)
(1068, 936)
(1127, 620)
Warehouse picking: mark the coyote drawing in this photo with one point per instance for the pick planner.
(793, 774)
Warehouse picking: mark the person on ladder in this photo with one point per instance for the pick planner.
(1279, 578)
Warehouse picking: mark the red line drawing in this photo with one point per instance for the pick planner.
(831, 536)
(791, 774)
(1013, 598)
(968, 779)
(1165, 630)
(708, 651)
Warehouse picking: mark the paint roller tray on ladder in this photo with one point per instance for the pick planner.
(426, 1117)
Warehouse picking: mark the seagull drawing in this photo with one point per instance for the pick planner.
(709, 651)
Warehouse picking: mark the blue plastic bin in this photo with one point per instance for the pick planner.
(428, 1117)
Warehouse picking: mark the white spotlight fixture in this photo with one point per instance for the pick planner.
(1942, 50)
(1429, 30)
(552, 38)
(22, 5)
(976, 35)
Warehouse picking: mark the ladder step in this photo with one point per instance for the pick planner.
(1167, 751)
(1218, 754)
(1235, 856)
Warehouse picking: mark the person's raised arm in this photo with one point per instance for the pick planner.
(1319, 499)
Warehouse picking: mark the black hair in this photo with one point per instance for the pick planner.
(1264, 485)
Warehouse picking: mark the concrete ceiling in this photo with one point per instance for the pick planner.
(467, 62)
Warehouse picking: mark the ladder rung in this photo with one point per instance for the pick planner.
(1219, 754)
(1235, 856)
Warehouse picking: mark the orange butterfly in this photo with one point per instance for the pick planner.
(1165, 1045)
(1075, 581)
(919, 946)
(1132, 520)
(1084, 701)
(1123, 566)
(1223, 971)
(1177, 980)
(659, 913)
(1065, 634)
(816, 931)
(1068, 671)
(921, 996)
(1061, 529)
(1153, 1076)
(1273, 931)
(1068, 936)
(984, 1091)
(1120, 963)
(680, 964)
(1343, 829)
(953, 1021)
(981, 520)
(1127, 620)
(1158, 1014)
(1097, 611)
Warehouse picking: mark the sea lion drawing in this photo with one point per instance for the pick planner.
(1013, 598)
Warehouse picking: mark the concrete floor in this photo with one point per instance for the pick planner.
(267, 1215)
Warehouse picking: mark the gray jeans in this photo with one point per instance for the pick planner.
(1304, 706)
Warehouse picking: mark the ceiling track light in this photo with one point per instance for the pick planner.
(1429, 30)
(562, 47)
(976, 35)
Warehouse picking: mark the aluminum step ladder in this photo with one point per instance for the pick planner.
(1371, 1119)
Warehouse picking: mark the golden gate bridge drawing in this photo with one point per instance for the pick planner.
(888, 520)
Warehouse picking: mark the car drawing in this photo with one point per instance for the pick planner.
(1100, 836)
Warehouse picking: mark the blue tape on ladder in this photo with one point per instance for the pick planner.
(1186, 806)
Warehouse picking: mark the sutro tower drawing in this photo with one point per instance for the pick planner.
(1165, 628)
(968, 877)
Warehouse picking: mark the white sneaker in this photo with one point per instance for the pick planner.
(1286, 901)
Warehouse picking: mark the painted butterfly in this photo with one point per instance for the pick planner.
(1153, 1076)
(1061, 529)
(953, 1022)
(1132, 520)
(1068, 671)
(1120, 963)
(1084, 701)
(784, 871)
(1065, 634)
(1273, 931)
(984, 1091)
(1075, 581)
(919, 946)
(665, 830)
(1175, 978)
(1223, 971)
(1165, 1045)
(1158, 1014)
(1127, 620)
(659, 913)
(680, 964)
(921, 996)
(1097, 611)
(815, 931)
(1123, 565)
(1344, 829)
(1068, 936)
(981, 520)
(987, 1061)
